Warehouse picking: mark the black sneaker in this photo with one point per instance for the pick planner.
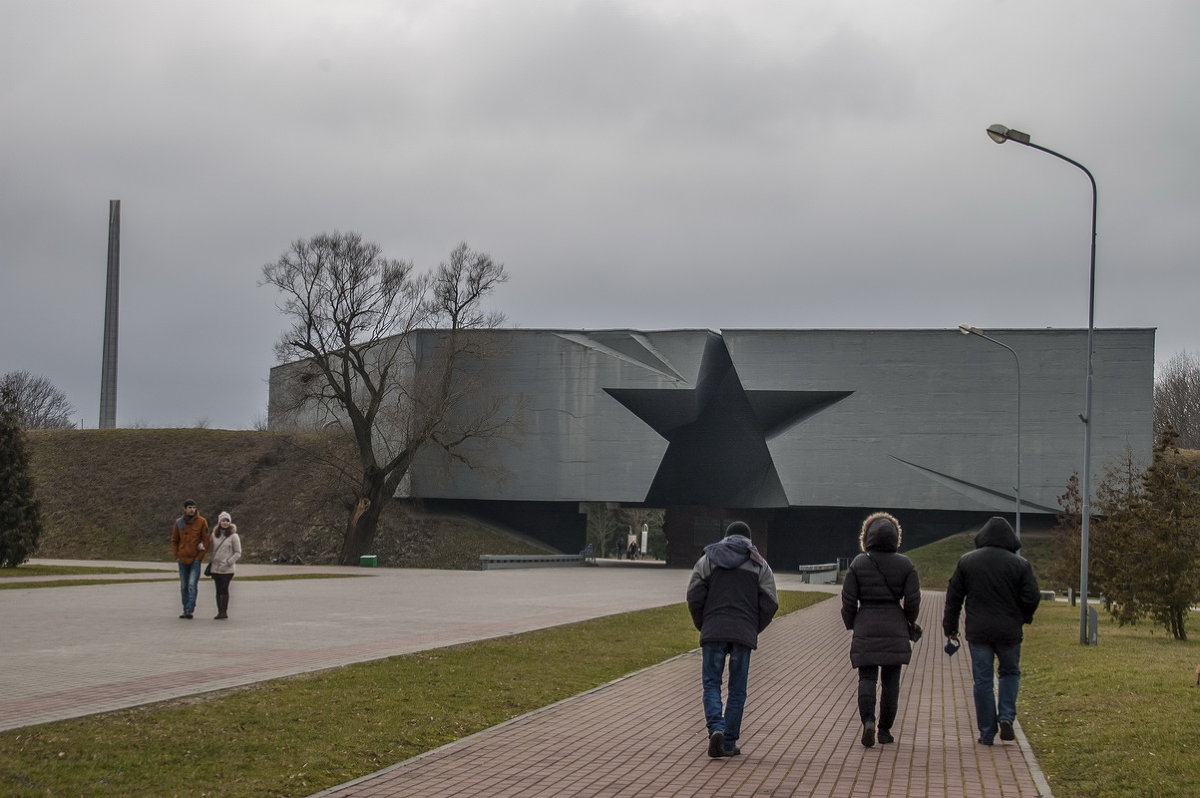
(716, 745)
(1006, 730)
(184, 615)
(985, 741)
(885, 737)
(868, 735)
(731, 750)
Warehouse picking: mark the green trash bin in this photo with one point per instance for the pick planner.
(368, 561)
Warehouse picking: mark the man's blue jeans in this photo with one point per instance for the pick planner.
(987, 714)
(727, 719)
(189, 578)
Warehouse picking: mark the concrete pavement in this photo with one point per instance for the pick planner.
(71, 651)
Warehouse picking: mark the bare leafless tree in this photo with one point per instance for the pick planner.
(392, 357)
(40, 405)
(1177, 400)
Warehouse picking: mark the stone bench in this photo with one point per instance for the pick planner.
(493, 561)
(820, 574)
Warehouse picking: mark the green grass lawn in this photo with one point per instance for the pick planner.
(73, 570)
(1118, 719)
(298, 735)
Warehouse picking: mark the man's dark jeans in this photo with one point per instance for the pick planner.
(1008, 658)
(189, 580)
(727, 719)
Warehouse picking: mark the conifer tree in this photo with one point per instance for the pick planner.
(1117, 569)
(1146, 550)
(1170, 516)
(20, 516)
(1064, 546)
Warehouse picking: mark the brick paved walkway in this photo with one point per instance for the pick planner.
(644, 735)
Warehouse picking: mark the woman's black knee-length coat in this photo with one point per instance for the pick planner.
(880, 595)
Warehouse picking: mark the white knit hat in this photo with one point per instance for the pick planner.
(224, 516)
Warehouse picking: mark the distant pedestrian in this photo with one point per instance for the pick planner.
(1001, 594)
(227, 550)
(881, 596)
(190, 540)
(732, 597)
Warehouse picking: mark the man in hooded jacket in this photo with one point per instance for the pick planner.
(1001, 595)
(731, 596)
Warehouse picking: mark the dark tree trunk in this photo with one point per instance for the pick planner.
(364, 519)
(1178, 621)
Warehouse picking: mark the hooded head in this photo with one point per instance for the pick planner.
(880, 532)
(735, 548)
(997, 532)
(738, 528)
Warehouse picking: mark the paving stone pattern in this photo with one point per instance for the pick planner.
(644, 735)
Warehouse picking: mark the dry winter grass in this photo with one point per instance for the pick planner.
(73, 570)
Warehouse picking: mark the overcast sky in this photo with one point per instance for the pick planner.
(643, 164)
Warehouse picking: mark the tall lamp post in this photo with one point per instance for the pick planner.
(1001, 134)
(967, 329)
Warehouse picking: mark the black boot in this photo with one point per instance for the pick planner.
(866, 711)
(868, 733)
(222, 606)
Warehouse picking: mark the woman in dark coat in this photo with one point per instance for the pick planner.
(881, 595)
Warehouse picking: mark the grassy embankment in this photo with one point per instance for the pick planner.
(935, 562)
(113, 494)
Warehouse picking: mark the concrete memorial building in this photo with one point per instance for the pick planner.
(801, 433)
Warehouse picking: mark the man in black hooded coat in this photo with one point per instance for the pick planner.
(731, 596)
(1001, 594)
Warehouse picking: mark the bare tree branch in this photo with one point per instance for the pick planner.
(393, 358)
(1177, 400)
(40, 405)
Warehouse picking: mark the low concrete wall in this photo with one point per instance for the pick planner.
(820, 574)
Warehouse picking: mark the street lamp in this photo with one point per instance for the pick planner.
(967, 329)
(1001, 134)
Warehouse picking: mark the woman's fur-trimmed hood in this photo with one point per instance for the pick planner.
(880, 532)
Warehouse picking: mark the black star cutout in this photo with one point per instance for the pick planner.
(717, 435)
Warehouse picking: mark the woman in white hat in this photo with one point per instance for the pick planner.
(227, 550)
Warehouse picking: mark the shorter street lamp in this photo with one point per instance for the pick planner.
(967, 329)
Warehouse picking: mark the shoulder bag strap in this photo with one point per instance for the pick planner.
(882, 575)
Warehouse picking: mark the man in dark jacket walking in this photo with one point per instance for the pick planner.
(731, 596)
(1001, 594)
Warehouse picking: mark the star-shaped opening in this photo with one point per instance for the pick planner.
(717, 435)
